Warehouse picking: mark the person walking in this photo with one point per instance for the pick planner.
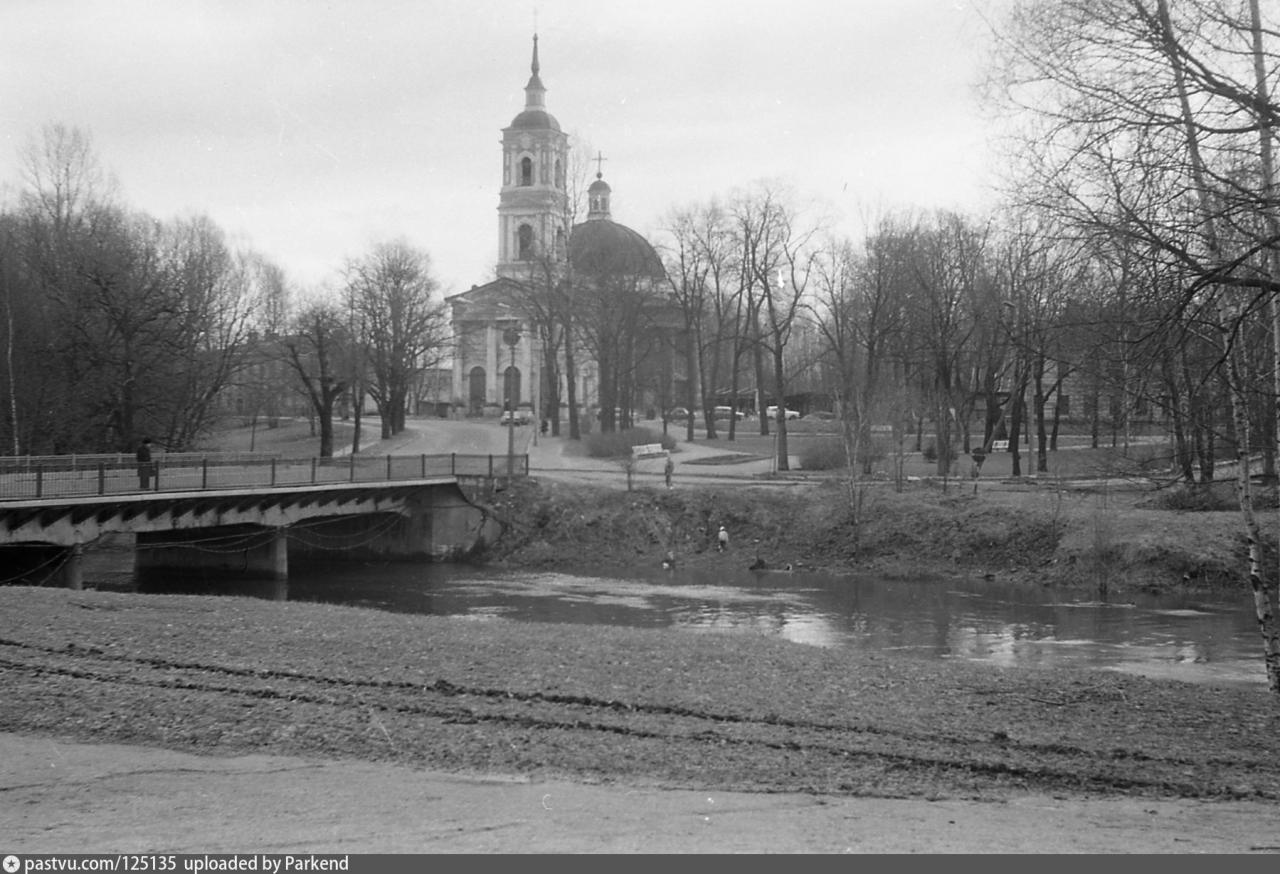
(144, 463)
(668, 470)
(722, 540)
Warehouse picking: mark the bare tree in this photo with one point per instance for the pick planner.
(948, 265)
(264, 393)
(314, 350)
(1152, 123)
(403, 326)
(132, 326)
(777, 266)
(687, 271)
(211, 328)
(703, 264)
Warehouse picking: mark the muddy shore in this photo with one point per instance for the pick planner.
(230, 675)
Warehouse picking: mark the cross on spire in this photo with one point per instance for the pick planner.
(599, 159)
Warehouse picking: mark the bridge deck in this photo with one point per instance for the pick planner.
(90, 476)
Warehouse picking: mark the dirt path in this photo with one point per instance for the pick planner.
(71, 797)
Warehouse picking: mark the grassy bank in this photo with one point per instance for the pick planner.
(666, 707)
(1113, 541)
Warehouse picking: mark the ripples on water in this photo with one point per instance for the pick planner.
(1180, 637)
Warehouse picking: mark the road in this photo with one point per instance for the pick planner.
(68, 797)
(563, 459)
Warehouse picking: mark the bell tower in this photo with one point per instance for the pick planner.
(531, 205)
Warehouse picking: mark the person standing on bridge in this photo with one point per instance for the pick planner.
(144, 463)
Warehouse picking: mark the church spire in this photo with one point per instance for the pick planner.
(535, 95)
(598, 194)
(531, 204)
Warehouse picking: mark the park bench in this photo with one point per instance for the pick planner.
(999, 445)
(647, 450)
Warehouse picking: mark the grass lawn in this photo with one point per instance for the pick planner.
(291, 437)
(1074, 459)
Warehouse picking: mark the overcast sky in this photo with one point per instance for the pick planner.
(311, 129)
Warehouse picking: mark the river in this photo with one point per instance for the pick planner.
(1195, 638)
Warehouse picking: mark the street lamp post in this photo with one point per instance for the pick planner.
(512, 338)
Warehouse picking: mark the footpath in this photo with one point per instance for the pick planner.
(64, 797)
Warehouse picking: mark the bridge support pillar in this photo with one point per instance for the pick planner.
(73, 568)
(240, 551)
(440, 526)
(276, 560)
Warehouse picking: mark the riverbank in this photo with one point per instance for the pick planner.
(1106, 539)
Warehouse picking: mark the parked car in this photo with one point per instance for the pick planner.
(726, 413)
(772, 413)
(677, 414)
(520, 417)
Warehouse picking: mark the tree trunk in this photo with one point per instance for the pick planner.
(1264, 591)
(1016, 418)
(1262, 594)
(571, 379)
(357, 416)
(1042, 458)
(779, 376)
(325, 415)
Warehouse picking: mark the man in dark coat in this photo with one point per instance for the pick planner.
(144, 464)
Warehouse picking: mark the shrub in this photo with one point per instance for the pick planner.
(826, 453)
(872, 451)
(930, 453)
(1202, 497)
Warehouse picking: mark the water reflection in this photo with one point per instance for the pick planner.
(1180, 637)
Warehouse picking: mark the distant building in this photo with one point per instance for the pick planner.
(605, 273)
(263, 387)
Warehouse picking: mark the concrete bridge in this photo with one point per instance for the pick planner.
(240, 526)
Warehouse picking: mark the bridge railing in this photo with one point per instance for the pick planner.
(55, 476)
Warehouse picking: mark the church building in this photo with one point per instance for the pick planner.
(578, 313)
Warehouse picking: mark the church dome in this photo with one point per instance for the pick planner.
(602, 247)
(535, 119)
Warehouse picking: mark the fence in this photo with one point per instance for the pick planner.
(116, 474)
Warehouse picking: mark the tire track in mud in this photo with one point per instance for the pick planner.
(959, 763)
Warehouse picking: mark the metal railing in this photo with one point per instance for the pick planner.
(57, 476)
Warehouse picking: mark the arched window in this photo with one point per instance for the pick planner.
(525, 243)
(526, 171)
(559, 175)
(475, 392)
(560, 242)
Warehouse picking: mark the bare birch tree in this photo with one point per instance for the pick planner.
(1153, 120)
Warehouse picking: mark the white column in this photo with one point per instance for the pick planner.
(526, 365)
(459, 363)
(492, 376)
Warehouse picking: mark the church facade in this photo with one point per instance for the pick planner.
(510, 348)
